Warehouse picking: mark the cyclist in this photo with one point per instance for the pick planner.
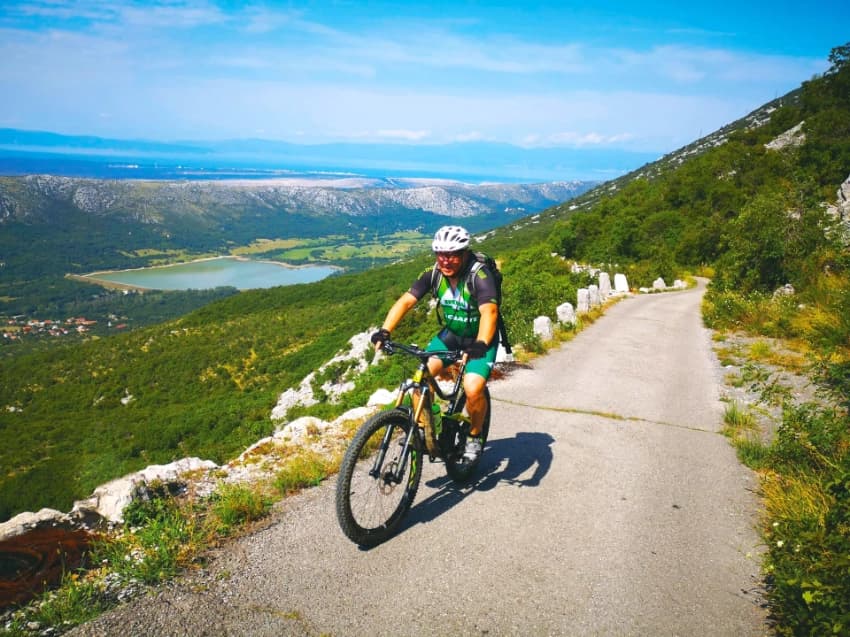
(470, 320)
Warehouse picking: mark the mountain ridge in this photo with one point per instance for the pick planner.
(30, 199)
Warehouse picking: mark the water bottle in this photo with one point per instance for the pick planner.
(436, 418)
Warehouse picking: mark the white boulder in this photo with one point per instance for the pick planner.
(25, 522)
(621, 284)
(382, 397)
(582, 301)
(109, 500)
(543, 328)
(566, 313)
(604, 285)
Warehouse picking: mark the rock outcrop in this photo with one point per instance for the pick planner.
(840, 211)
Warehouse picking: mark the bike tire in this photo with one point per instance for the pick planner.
(456, 467)
(369, 509)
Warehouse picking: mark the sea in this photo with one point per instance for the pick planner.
(18, 163)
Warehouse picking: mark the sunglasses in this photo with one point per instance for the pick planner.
(449, 256)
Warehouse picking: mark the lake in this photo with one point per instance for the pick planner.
(243, 274)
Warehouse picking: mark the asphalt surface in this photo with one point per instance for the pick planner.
(607, 504)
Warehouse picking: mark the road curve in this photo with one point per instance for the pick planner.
(607, 504)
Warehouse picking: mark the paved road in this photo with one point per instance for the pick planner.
(608, 504)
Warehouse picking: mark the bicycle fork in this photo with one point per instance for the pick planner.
(395, 474)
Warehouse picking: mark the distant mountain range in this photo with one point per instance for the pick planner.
(275, 207)
(22, 152)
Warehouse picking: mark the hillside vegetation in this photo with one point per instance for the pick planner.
(754, 215)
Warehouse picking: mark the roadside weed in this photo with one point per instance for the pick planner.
(233, 505)
(303, 470)
(741, 429)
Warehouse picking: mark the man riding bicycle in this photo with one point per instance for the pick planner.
(471, 320)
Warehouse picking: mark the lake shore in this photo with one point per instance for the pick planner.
(97, 277)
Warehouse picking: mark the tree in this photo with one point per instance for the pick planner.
(757, 240)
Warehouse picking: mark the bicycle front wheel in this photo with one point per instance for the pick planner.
(378, 480)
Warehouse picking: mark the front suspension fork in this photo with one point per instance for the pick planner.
(396, 475)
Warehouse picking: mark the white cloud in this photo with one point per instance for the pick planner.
(471, 136)
(572, 138)
(408, 135)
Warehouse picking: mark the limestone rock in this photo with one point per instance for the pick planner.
(27, 522)
(785, 290)
(659, 284)
(300, 428)
(841, 211)
(582, 301)
(109, 500)
(792, 137)
(621, 284)
(604, 285)
(303, 394)
(566, 314)
(382, 397)
(543, 328)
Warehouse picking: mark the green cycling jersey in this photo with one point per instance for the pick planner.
(459, 305)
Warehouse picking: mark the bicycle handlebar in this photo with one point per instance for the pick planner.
(393, 347)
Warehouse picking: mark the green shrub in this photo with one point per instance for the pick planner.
(307, 469)
(809, 439)
(233, 505)
(754, 312)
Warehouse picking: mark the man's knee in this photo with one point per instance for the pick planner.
(474, 387)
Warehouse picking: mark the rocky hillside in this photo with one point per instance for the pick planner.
(672, 161)
(38, 198)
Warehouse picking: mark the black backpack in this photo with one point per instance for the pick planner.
(481, 260)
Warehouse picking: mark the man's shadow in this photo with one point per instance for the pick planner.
(506, 460)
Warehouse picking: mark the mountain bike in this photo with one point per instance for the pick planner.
(382, 466)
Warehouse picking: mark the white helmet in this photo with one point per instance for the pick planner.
(450, 239)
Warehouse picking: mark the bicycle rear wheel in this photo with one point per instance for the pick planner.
(457, 468)
(370, 500)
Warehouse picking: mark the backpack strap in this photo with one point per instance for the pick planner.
(436, 278)
(470, 276)
(501, 328)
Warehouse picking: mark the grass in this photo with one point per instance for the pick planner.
(741, 428)
(307, 469)
(78, 599)
(235, 504)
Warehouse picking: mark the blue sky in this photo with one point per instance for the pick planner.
(642, 76)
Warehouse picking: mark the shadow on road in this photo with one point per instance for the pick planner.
(505, 461)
